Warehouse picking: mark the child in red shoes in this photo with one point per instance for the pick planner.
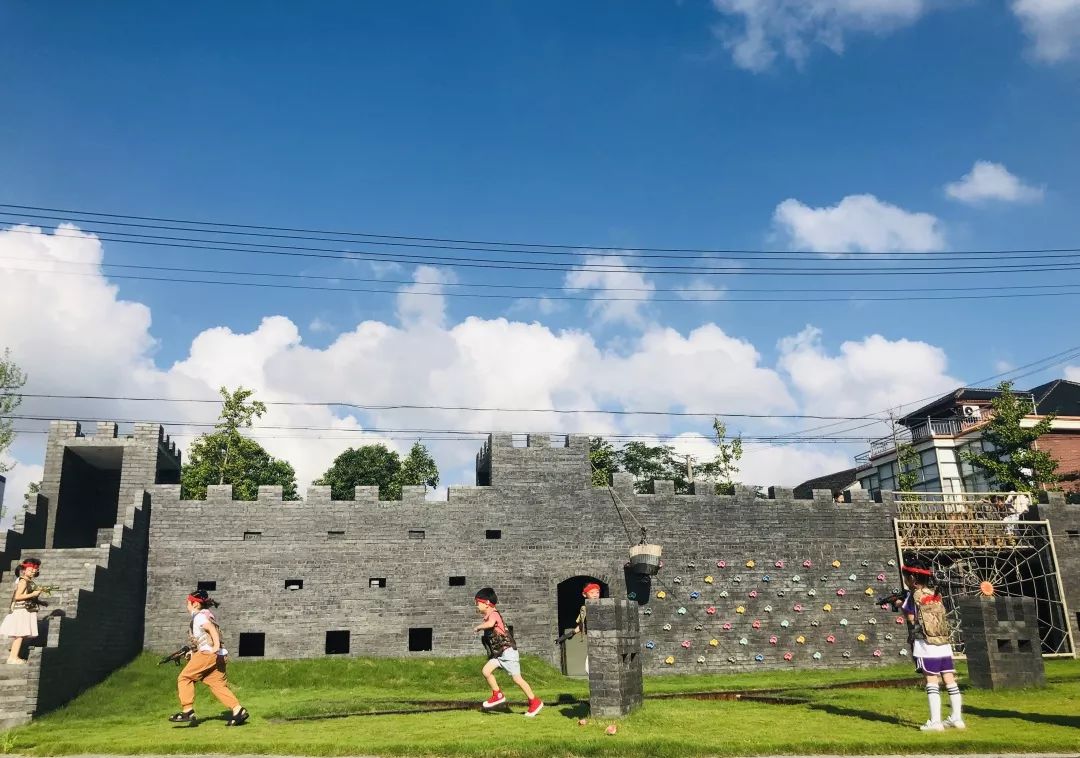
(502, 652)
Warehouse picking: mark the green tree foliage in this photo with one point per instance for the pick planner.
(907, 467)
(377, 465)
(227, 457)
(32, 491)
(604, 459)
(648, 462)
(722, 469)
(1014, 463)
(12, 380)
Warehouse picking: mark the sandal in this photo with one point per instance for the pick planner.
(238, 718)
(183, 717)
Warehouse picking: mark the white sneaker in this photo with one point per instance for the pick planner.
(954, 723)
(932, 726)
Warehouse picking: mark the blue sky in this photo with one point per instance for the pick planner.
(606, 123)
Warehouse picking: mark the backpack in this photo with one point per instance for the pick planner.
(930, 615)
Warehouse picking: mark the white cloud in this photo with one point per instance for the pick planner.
(757, 31)
(766, 465)
(701, 289)
(1072, 373)
(866, 375)
(1052, 25)
(427, 309)
(320, 326)
(992, 181)
(615, 279)
(18, 479)
(497, 362)
(543, 305)
(857, 223)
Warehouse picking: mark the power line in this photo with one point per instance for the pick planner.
(487, 285)
(360, 406)
(187, 243)
(375, 291)
(369, 237)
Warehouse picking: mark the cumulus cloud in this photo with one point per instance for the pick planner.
(428, 308)
(613, 279)
(765, 465)
(1053, 26)
(1072, 373)
(756, 32)
(701, 289)
(857, 223)
(992, 181)
(870, 374)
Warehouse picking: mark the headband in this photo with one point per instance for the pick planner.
(589, 587)
(481, 601)
(196, 599)
(917, 570)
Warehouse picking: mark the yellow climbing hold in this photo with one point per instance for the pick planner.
(801, 640)
(827, 607)
(836, 564)
(709, 579)
(750, 563)
(869, 592)
(740, 609)
(714, 642)
(861, 638)
(670, 660)
(661, 594)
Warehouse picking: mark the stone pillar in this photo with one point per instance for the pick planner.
(614, 645)
(1001, 641)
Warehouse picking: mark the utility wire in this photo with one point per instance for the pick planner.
(222, 228)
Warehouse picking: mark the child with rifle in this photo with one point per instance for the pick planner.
(931, 650)
(502, 652)
(206, 664)
(22, 622)
(590, 592)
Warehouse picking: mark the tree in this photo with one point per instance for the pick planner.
(419, 468)
(228, 457)
(12, 380)
(32, 491)
(907, 467)
(369, 465)
(649, 462)
(1013, 463)
(604, 459)
(722, 469)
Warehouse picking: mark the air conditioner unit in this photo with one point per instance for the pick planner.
(972, 412)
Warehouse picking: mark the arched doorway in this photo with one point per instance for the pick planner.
(569, 601)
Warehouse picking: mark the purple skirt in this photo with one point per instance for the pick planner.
(937, 666)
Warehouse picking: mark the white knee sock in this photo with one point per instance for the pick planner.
(933, 694)
(955, 700)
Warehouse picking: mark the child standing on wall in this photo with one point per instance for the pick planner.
(930, 645)
(502, 652)
(22, 622)
(591, 592)
(206, 664)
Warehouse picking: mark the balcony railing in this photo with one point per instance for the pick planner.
(932, 427)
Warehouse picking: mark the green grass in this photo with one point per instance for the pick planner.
(126, 714)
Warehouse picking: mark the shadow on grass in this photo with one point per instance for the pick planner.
(576, 712)
(837, 710)
(1055, 719)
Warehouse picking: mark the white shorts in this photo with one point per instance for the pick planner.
(510, 661)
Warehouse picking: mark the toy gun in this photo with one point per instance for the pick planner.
(896, 597)
(177, 656)
(48, 589)
(565, 636)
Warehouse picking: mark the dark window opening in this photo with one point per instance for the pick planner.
(337, 642)
(335, 533)
(252, 535)
(416, 534)
(1072, 533)
(493, 534)
(294, 584)
(377, 581)
(457, 581)
(419, 639)
(208, 586)
(1004, 646)
(251, 644)
(1023, 646)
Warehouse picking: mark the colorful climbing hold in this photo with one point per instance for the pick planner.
(753, 593)
(807, 564)
(881, 577)
(779, 564)
(750, 563)
(827, 607)
(815, 622)
(710, 610)
(872, 622)
(836, 564)
(796, 578)
(852, 577)
(785, 623)
(727, 626)
(695, 595)
(650, 644)
(861, 638)
(903, 652)
(800, 640)
(877, 653)
(681, 611)
(740, 609)
(811, 592)
(779, 593)
(843, 622)
(773, 640)
(631, 595)
(677, 580)
(737, 579)
(698, 627)
(888, 636)
(766, 578)
(788, 656)
(756, 624)
(667, 627)
(899, 619)
(714, 642)
(723, 593)
(647, 611)
(686, 644)
(709, 579)
(797, 607)
(721, 564)
(744, 641)
(701, 659)
(892, 562)
(816, 656)
(661, 595)
(869, 592)
(759, 657)
(846, 653)
(841, 592)
(831, 639)
(767, 609)
(670, 660)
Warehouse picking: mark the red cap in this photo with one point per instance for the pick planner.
(590, 587)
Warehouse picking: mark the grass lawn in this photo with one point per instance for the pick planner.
(303, 708)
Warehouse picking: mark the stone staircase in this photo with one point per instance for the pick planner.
(74, 570)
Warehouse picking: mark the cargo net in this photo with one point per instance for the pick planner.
(977, 548)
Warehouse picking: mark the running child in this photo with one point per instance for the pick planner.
(502, 652)
(206, 664)
(930, 645)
